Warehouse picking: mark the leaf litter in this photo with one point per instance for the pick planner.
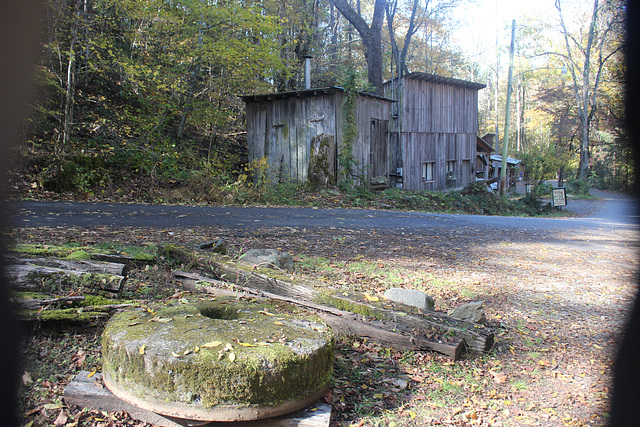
(557, 322)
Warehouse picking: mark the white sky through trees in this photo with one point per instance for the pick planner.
(480, 19)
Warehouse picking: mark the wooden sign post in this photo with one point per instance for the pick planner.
(559, 197)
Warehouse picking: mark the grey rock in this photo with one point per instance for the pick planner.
(411, 297)
(218, 246)
(472, 312)
(400, 383)
(272, 258)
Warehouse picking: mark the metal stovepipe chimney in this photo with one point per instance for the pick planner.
(307, 71)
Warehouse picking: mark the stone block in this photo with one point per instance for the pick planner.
(411, 297)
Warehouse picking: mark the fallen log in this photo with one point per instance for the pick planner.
(86, 266)
(117, 258)
(476, 337)
(249, 276)
(34, 304)
(381, 332)
(36, 277)
(75, 314)
(387, 333)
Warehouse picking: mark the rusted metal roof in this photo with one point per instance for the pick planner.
(445, 80)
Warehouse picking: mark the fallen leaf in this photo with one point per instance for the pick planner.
(79, 358)
(246, 344)
(134, 323)
(401, 384)
(266, 312)
(161, 319)
(278, 323)
(26, 378)
(52, 406)
(142, 349)
(174, 354)
(499, 377)
(212, 344)
(232, 357)
(371, 298)
(92, 373)
(62, 419)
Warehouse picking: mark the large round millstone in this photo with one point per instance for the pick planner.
(217, 359)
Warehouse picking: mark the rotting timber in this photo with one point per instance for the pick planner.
(385, 322)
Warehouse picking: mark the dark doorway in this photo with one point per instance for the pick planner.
(378, 158)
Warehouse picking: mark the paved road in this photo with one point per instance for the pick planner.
(612, 212)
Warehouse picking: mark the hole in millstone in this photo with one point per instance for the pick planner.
(216, 311)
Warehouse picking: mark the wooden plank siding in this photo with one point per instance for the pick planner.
(369, 109)
(281, 127)
(436, 121)
(438, 124)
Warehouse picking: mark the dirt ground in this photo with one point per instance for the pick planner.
(557, 302)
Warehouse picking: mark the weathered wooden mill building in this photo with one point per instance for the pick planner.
(437, 123)
(426, 140)
(291, 128)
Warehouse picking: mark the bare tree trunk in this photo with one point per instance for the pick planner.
(371, 38)
(70, 90)
(584, 89)
(333, 46)
(401, 57)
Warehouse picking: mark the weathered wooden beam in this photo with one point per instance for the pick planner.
(388, 333)
(381, 332)
(276, 282)
(32, 277)
(34, 304)
(476, 337)
(88, 391)
(87, 266)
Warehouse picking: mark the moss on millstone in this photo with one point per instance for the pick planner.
(276, 357)
(64, 314)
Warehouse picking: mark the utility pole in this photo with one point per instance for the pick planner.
(505, 142)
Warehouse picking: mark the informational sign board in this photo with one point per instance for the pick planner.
(559, 197)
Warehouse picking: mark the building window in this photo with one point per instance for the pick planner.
(451, 167)
(427, 171)
(450, 174)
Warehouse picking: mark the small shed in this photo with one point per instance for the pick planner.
(513, 169)
(483, 156)
(295, 129)
(437, 124)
